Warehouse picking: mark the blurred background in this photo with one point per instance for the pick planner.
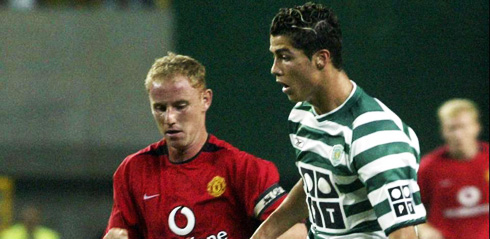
(73, 104)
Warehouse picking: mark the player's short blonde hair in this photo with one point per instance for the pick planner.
(172, 65)
(454, 107)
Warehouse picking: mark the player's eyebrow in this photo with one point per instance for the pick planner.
(281, 51)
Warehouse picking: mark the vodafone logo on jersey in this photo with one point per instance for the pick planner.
(470, 199)
(191, 223)
(469, 196)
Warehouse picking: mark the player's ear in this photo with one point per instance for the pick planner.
(207, 98)
(321, 58)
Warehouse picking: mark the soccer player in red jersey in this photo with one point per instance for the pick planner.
(190, 185)
(453, 179)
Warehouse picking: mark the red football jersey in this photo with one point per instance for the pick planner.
(215, 195)
(456, 193)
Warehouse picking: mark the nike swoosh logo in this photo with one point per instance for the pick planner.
(146, 197)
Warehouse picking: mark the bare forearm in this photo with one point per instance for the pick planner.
(298, 231)
(404, 233)
(292, 211)
(427, 231)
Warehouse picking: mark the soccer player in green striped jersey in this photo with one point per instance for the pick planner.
(358, 161)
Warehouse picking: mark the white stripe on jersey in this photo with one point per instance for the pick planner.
(308, 119)
(378, 138)
(414, 141)
(369, 117)
(394, 117)
(356, 219)
(355, 197)
(386, 163)
(322, 149)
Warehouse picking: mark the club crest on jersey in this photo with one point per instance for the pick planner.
(217, 186)
(337, 154)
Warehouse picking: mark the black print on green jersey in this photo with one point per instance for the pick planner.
(323, 200)
(401, 199)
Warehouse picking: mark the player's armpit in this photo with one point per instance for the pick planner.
(404, 233)
(116, 233)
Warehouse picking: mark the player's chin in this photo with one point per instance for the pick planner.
(175, 142)
(294, 98)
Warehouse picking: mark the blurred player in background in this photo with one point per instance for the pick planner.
(190, 184)
(454, 178)
(357, 159)
(29, 227)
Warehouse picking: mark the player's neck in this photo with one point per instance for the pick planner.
(466, 153)
(181, 155)
(333, 93)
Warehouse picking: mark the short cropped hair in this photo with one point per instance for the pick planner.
(172, 65)
(454, 107)
(311, 27)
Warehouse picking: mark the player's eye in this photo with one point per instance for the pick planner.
(284, 57)
(159, 108)
(181, 106)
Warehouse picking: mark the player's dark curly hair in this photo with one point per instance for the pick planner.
(311, 27)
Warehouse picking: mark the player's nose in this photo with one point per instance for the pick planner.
(275, 70)
(170, 116)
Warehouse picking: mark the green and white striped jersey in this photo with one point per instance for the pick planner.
(359, 167)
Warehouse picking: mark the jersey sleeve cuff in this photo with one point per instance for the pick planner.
(415, 222)
(267, 198)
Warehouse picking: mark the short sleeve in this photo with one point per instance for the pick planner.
(386, 159)
(124, 214)
(258, 184)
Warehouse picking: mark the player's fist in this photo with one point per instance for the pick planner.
(116, 233)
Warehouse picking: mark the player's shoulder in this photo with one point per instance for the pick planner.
(484, 147)
(433, 157)
(154, 149)
(366, 110)
(372, 115)
(484, 151)
(144, 155)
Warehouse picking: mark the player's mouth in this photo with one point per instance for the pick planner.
(172, 132)
(285, 87)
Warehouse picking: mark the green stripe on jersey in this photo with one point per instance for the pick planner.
(361, 102)
(389, 176)
(356, 208)
(379, 151)
(348, 188)
(378, 135)
(374, 126)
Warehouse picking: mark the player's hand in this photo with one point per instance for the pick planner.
(116, 233)
(427, 231)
